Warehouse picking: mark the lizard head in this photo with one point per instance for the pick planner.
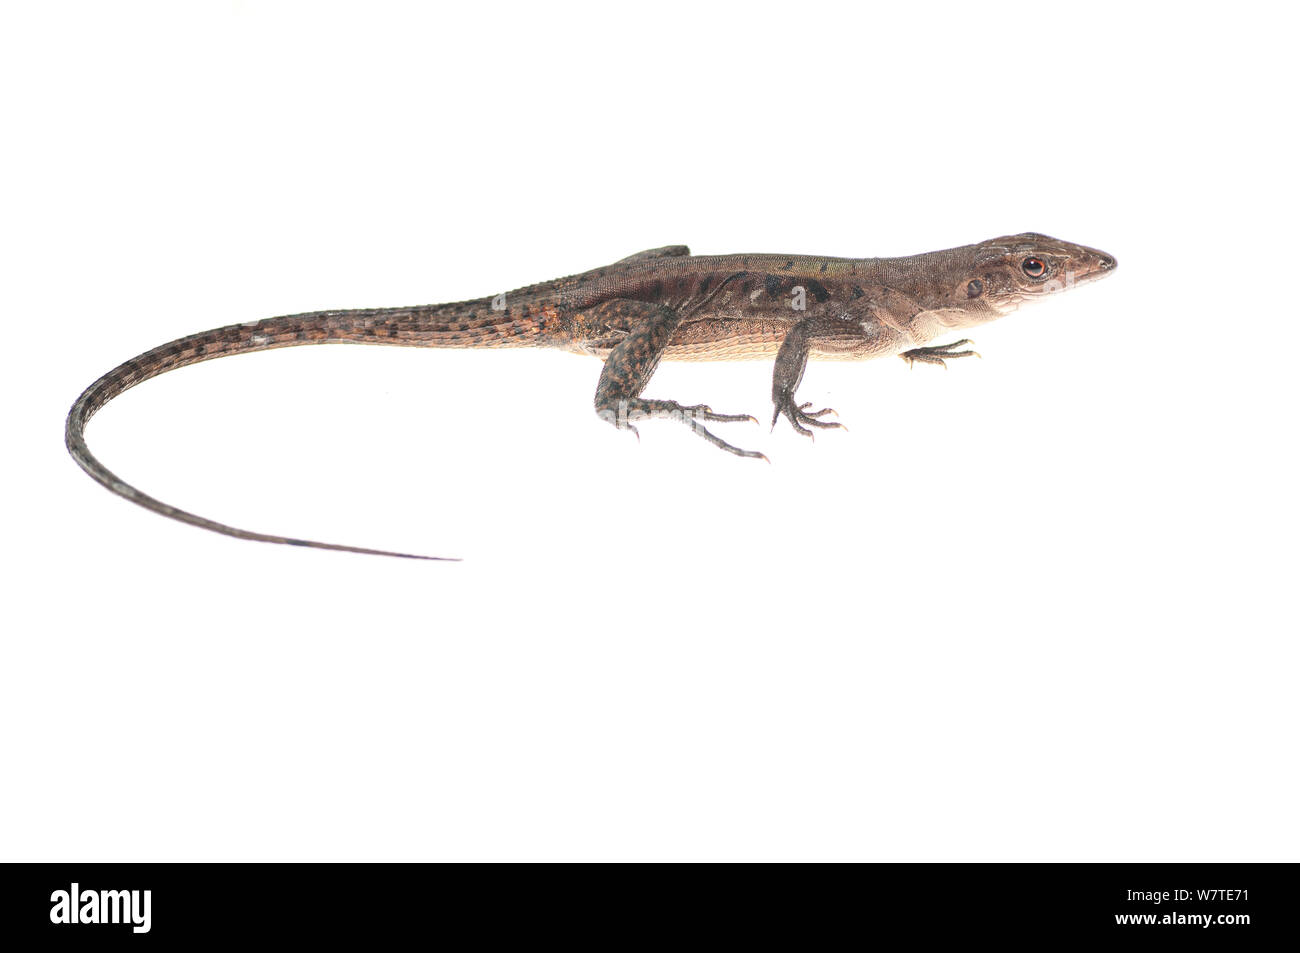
(1006, 272)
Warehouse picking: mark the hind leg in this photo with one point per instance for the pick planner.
(632, 363)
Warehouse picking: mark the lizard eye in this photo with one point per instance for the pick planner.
(1033, 267)
(975, 288)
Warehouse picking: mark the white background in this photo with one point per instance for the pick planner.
(1038, 606)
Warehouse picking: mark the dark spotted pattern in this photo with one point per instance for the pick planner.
(817, 290)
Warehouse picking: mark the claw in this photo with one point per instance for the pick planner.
(717, 441)
(937, 354)
(705, 412)
(800, 416)
(629, 409)
(817, 413)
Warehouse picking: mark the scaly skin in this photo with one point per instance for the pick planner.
(664, 304)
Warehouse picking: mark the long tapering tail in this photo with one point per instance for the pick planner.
(472, 323)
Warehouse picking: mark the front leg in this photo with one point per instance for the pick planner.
(633, 361)
(937, 354)
(791, 361)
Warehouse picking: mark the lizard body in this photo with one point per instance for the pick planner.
(660, 304)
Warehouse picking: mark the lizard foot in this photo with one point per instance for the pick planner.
(801, 415)
(937, 354)
(693, 416)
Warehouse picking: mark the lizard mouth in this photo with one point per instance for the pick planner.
(1100, 270)
(1101, 267)
(1073, 278)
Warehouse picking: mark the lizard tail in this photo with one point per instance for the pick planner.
(380, 326)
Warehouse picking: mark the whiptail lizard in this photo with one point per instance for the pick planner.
(665, 303)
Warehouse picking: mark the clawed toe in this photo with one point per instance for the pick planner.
(816, 413)
(721, 444)
(801, 418)
(705, 412)
(622, 413)
(939, 353)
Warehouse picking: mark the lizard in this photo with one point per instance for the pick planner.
(664, 303)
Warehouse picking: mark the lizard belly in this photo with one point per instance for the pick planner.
(764, 342)
(747, 347)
